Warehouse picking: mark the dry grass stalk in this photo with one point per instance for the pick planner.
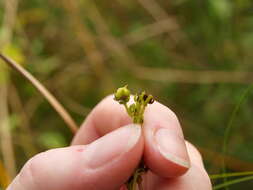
(51, 99)
(10, 11)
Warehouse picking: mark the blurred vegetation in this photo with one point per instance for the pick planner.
(193, 56)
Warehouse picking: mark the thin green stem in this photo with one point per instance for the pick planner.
(229, 127)
(232, 182)
(142, 109)
(127, 109)
(234, 174)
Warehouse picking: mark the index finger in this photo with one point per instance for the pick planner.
(107, 116)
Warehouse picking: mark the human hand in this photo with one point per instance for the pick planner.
(108, 148)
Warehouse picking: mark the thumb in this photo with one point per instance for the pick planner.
(105, 164)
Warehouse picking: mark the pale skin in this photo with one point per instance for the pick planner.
(107, 149)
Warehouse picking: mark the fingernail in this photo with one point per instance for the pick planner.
(111, 146)
(172, 147)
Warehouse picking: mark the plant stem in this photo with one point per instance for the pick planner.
(230, 126)
(127, 109)
(136, 112)
(50, 98)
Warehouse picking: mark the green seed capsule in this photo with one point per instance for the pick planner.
(122, 95)
(151, 101)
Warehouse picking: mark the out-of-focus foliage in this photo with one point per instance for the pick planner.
(193, 56)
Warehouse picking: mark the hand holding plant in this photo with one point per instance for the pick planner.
(108, 148)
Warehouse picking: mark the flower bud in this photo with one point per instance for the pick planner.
(151, 100)
(122, 95)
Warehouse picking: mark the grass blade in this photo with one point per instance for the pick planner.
(229, 127)
(232, 182)
(234, 174)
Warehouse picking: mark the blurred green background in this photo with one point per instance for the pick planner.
(193, 56)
